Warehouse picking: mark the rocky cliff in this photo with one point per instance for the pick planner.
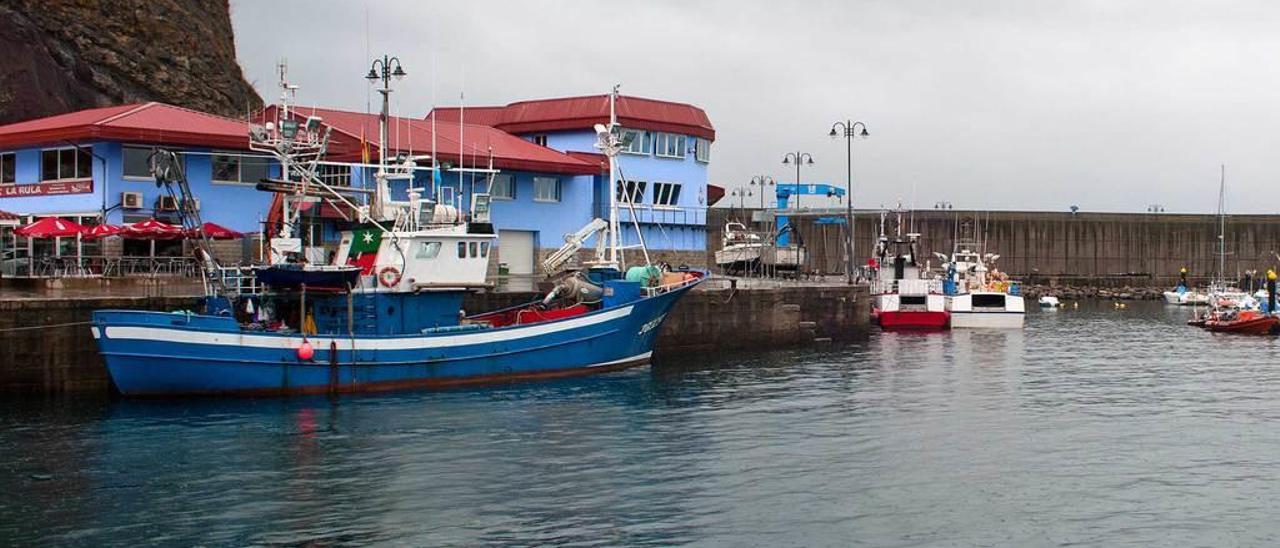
(64, 55)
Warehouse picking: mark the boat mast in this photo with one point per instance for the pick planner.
(286, 224)
(613, 183)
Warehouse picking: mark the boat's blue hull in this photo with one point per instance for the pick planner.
(158, 354)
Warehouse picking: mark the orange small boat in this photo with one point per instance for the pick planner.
(1248, 322)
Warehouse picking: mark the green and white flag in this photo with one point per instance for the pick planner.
(365, 240)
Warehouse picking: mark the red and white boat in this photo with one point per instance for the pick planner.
(900, 297)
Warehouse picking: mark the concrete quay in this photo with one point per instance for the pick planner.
(46, 346)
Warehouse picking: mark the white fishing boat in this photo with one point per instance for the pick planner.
(978, 295)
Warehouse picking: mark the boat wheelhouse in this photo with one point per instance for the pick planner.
(900, 296)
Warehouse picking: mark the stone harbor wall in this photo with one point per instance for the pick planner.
(46, 346)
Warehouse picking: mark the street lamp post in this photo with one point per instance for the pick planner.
(764, 182)
(384, 69)
(799, 158)
(850, 130)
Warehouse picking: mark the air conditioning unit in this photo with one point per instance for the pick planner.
(131, 200)
(166, 203)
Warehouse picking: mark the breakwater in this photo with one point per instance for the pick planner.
(46, 346)
(1092, 250)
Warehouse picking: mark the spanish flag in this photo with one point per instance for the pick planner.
(364, 148)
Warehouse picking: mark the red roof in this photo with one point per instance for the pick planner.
(138, 123)
(407, 134)
(584, 112)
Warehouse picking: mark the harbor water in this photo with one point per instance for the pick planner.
(1093, 426)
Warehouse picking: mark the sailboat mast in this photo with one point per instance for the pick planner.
(1222, 222)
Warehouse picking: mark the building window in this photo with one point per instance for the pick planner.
(702, 150)
(503, 187)
(639, 141)
(329, 174)
(540, 140)
(427, 250)
(632, 191)
(666, 194)
(546, 189)
(8, 168)
(231, 168)
(65, 164)
(137, 162)
(669, 145)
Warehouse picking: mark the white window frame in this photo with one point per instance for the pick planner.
(511, 179)
(663, 141)
(76, 177)
(335, 175)
(240, 158)
(12, 159)
(537, 194)
(666, 194)
(540, 140)
(635, 188)
(640, 145)
(702, 149)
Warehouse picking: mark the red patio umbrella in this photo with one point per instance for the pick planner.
(216, 232)
(152, 229)
(102, 231)
(50, 227)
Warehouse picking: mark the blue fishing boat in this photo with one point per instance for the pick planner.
(386, 312)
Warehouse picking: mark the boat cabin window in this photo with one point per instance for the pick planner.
(427, 250)
(988, 301)
(462, 250)
(475, 249)
(913, 299)
(484, 249)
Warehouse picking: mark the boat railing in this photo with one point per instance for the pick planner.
(238, 280)
(667, 288)
(906, 287)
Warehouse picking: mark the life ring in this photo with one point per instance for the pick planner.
(389, 276)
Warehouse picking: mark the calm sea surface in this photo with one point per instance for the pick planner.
(1094, 426)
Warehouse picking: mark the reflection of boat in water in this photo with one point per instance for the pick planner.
(388, 313)
(744, 251)
(900, 299)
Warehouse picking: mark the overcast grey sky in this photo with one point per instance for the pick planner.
(1001, 105)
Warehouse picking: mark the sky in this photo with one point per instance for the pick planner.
(1023, 104)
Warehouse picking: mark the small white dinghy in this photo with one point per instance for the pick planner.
(1049, 301)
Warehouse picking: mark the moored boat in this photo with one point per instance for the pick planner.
(900, 298)
(386, 313)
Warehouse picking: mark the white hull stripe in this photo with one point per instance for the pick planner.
(636, 357)
(415, 342)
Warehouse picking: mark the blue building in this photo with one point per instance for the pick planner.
(547, 178)
(91, 166)
(664, 166)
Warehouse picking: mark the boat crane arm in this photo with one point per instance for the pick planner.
(573, 242)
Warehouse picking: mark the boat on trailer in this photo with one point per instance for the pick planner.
(386, 313)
